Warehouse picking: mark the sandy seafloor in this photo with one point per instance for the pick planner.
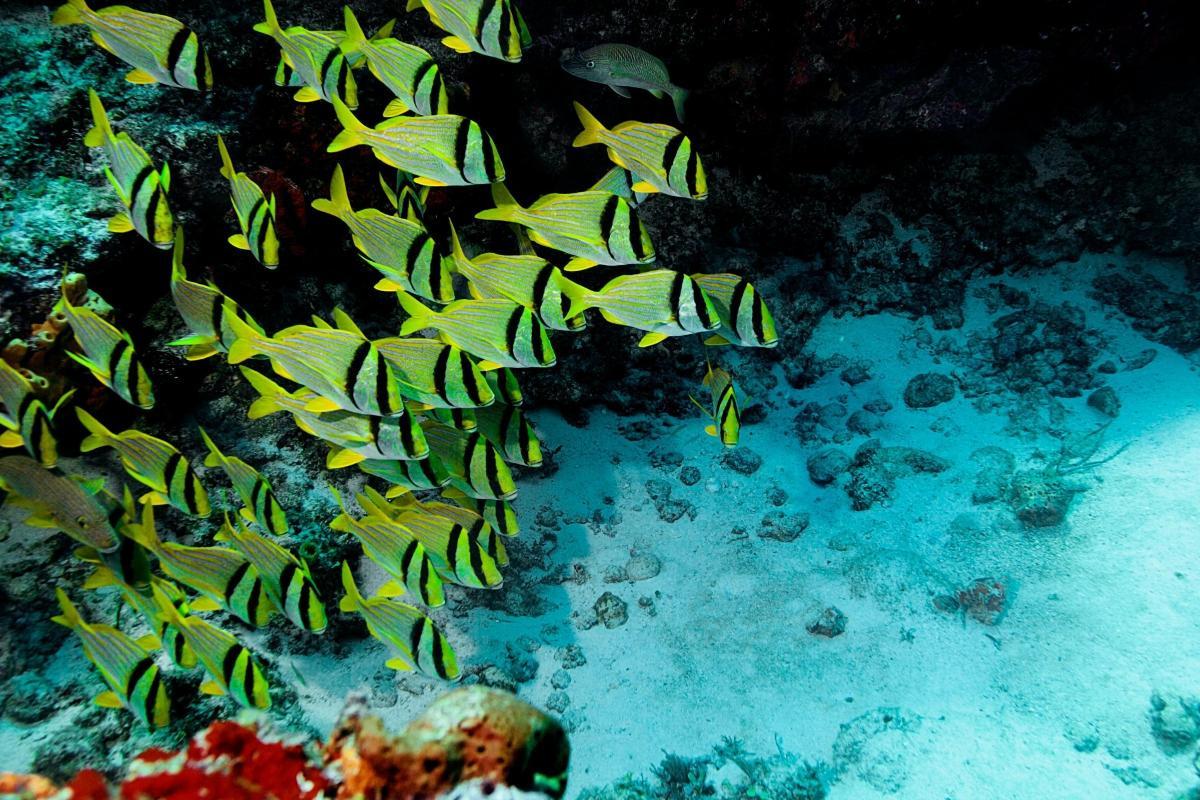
(1053, 701)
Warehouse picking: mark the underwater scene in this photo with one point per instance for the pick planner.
(601, 401)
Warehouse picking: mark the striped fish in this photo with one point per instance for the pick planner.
(408, 475)
(461, 418)
(492, 28)
(255, 215)
(226, 579)
(205, 310)
(525, 279)
(152, 462)
(452, 516)
(396, 550)
(109, 355)
(725, 414)
(258, 499)
(26, 418)
(421, 644)
(403, 252)
(406, 196)
(593, 227)
(436, 374)
(287, 579)
(125, 665)
(160, 49)
(662, 302)
(499, 332)
(458, 557)
(500, 514)
(285, 75)
(439, 150)
(745, 319)
(509, 429)
(230, 666)
(129, 562)
(660, 156)
(315, 58)
(356, 436)
(407, 71)
(141, 189)
(169, 637)
(505, 386)
(342, 367)
(475, 465)
(59, 502)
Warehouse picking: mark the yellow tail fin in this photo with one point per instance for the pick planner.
(101, 127)
(268, 391)
(226, 162)
(355, 38)
(70, 614)
(592, 129)
(215, 457)
(460, 257)
(271, 27)
(98, 435)
(338, 204)
(243, 346)
(352, 599)
(352, 135)
(70, 13)
(418, 315)
(507, 208)
(178, 273)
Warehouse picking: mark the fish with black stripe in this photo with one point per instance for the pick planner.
(662, 302)
(356, 437)
(152, 462)
(230, 666)
(130, 561)
(499, 332)
(525, 279)
(461, 418)
(402, 251)
(505, 386)
(169, 637)
(404, 627)
(125, 665)
(205, 310)
(745, 318)
(395, 549)
(408, 71)
(619, 181)
(500, 514)
(225, 578)
(435, 374)
(724, 412)
(255, 214)
(25, 420)
(59, 502)
(477, 529)
(286, 578)
(343, 367)
(108, 353)
(509, 429)
(258, 499)
(427, 473)
(315, 57)
(406, 196)
(160, 49)
(439, 150)
(492, 28)
(476, 466)
(661, 156)
(141, 189)
(593, 227)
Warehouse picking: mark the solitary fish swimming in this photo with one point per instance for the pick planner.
(621, 67)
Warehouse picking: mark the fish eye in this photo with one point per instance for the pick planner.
(82, 521)
(591, 65)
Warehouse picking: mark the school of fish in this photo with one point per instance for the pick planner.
(434, 412)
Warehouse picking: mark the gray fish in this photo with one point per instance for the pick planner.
(621, 67)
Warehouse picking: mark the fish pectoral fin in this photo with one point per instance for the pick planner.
(11, 439)
(651, 339)
(306, 94)
(644, 187)
(238, 240)
(711, 430)
(578, 264)
(203, 603)
(399, 664)
(140, 76)
(199, 352)
(319, 405)
(457, 45)
(621, 90)
(339, 459)
(488, 366)
(212, 687)
(108, 700)
(412, 5)
(120, 223)
(149, 643)
(421, 179)
(395, 108)
(388, 285)
(153, 498)
(246, 514)
(616, 159)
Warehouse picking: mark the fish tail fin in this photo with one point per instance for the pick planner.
(355, 37)
(353, 598)
(592, 129)
(352, 135)
(143, 532)
(338, 203)
(178, 273)
(678, 96)
(70, 614)
(247, 338)
(226, 161)
(459, 256)
(418, 315)
(70, 13)
(166, 609)
(271, 26)
(101, 127)
(98, 435)
(215, 457)
(268, 391)
(507, 208)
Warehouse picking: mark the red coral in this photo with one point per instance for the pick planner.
(88, 785)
